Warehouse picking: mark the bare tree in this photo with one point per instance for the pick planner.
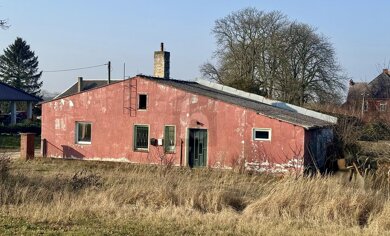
(311, 72)
(246, 42)
(267, 54)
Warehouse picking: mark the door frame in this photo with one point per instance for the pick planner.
(187, 147)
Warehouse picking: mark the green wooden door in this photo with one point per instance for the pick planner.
(197, 148)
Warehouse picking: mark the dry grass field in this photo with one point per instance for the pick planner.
(84, 198)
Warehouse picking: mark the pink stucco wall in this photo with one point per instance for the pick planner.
(229, 127)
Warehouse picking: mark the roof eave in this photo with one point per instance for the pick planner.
(34, 98)
(306, 127)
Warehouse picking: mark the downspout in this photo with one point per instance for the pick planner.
(181, 152)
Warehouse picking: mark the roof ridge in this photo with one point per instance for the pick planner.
(159, 78)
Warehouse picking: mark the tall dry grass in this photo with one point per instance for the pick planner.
(117, 198)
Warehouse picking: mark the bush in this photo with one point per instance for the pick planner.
(25, 127)
(83, 179)
(374, 131)
(347, 133)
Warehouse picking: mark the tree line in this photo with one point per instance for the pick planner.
(268, 54)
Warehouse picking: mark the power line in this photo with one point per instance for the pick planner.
(80, 68)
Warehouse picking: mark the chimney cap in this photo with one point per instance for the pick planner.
(161, 63)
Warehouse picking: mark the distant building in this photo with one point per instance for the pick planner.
(371, 100)
(156, 119)
(13, 95)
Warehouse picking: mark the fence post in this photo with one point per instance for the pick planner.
(44, 147)
(27, 146)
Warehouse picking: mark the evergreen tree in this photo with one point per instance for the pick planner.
(19, 68)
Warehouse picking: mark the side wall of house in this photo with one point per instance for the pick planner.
(229, 128)
(316, 145)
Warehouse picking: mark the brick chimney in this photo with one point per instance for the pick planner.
(386, 71)
(80, 84)
(161, 63)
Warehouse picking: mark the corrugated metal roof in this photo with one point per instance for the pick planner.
(9, 93)
(264, 100)
(288, 116)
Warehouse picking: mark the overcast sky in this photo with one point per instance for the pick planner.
(78, 33)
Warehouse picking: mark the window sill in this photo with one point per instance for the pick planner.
(141, 150)
(170, 152)
(84, 143)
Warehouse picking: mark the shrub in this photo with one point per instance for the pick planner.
(348, 131)
(83, 179)
(374, 131)
(25, 127)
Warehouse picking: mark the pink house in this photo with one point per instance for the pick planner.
(148, 119)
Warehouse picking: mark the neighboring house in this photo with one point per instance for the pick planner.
(371, 100)
(14, 95)
(148, 119)
(83, 85)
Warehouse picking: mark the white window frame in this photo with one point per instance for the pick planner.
(174, 135)
(382, 106)
(261, 129)
(134, 138)
(139, 100)
(77, 132)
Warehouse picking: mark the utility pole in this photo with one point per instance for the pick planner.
(124, 70)
(109, 71)
(364, 103)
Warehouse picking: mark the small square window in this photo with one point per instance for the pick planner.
(142, 101)
(262, 134)
(382, 106)
(169, 138)
(83, 132)
(141, 137)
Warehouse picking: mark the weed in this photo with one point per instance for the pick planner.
(120, 198)
(83, 179)
(5, 162)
